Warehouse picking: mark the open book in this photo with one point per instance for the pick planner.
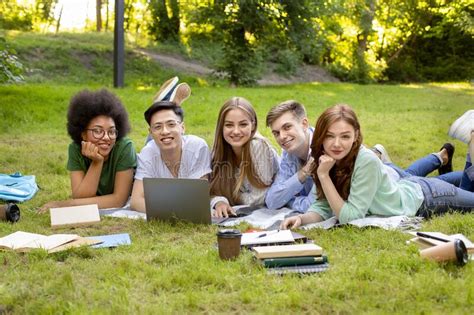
(24, 241)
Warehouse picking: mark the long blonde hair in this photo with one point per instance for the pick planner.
(340, 173)
(224, 160)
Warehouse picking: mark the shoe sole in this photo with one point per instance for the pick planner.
(180, 93)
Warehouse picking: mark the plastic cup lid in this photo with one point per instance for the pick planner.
(229, 233)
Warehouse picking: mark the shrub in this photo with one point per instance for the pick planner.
(11, 68)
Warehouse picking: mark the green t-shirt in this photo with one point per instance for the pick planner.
(121, 158)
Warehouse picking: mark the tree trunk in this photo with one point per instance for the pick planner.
(98, 15)
(106, 15)
(58, 22)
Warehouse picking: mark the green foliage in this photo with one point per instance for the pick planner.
(164, 27)
(361, 41)
(15, 16)
(443, 54)
(176, 269)
(287, 61)
(11, 68)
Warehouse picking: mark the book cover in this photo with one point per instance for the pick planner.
(74, 216)
(81, 241)
(295, 250)
(294, 261)
(111, 241)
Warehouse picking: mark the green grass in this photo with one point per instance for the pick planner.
(175, 268)
(86, 59)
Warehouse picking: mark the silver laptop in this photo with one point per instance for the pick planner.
(177, 199)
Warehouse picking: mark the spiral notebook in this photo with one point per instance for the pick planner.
(304, 269)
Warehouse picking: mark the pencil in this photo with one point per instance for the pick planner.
(421, 234)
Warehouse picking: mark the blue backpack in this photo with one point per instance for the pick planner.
(16, 187)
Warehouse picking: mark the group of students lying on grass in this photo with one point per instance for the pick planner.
(324, 171)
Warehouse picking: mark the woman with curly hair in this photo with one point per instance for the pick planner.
(244, 163)
(101, 160)
(351, 181)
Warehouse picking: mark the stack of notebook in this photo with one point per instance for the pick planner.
(294, 258)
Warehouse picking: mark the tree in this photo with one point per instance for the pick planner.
(44, 13)
(98, 15)
(163, 26)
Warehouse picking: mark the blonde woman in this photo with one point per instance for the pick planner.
(244, 163)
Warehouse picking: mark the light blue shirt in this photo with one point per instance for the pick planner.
(373, 192)
(287, 190)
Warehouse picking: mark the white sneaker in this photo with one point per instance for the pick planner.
(166, 90)
(462, 127)
(384, 157)
(181, 92)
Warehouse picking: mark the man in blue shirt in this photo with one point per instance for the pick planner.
(293, 185)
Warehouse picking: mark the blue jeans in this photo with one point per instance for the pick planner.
(422, 167)
(467, 181)
(441, 197)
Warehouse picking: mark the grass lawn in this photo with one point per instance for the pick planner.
(176, 268)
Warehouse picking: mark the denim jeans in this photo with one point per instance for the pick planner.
(441, 197)
(467, 181)
(424, 166)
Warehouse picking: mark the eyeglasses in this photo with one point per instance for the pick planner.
(170, 125)
(99, 133)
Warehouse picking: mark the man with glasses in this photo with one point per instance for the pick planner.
(171, 154)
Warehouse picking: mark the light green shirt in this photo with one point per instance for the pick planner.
(373, 192)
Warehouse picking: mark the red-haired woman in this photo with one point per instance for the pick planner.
(351, 181)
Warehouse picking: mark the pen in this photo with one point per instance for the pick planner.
(432, 237)
(265, 234)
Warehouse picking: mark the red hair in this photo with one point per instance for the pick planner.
(341, 173)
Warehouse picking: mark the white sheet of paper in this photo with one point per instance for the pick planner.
(270, 237)
(261, 218)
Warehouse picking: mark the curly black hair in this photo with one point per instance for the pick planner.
(86, 105)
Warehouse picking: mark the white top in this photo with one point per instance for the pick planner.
(195, 160)
(265, 163)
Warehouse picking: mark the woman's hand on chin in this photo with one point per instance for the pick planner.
(91, 151)
(325, 164)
